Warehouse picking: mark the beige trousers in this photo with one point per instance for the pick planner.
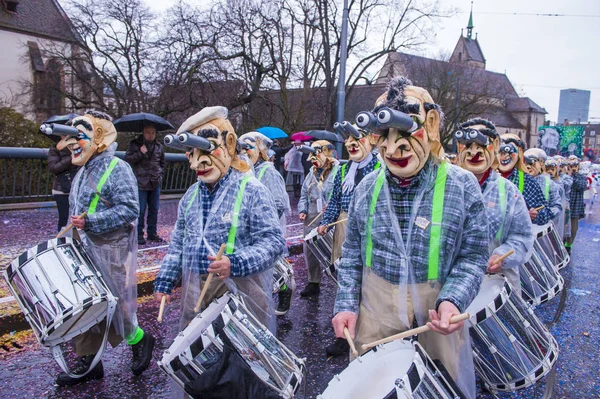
(339, 235)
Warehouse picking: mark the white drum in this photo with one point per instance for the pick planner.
(548, 240)
(322, 246)
(512, 349)
(225, 349)
(540, 280)
(399, 369)
(283, 274)
(60, 291)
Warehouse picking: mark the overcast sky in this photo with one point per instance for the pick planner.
(540, 54)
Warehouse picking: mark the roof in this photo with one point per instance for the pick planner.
(422, 71)
(43, 18)
(501, 117)
(473, 49)
(523, 104)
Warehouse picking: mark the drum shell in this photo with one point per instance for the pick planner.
(283, 274)
(540, 280)
(512, 349)
(59, 289)
(548, 240)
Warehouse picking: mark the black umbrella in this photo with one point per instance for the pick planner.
(325, 135)
(136, 122)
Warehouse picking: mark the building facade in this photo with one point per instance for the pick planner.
(574, 106)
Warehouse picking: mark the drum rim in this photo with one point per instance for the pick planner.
(27, 255)
(495, 305)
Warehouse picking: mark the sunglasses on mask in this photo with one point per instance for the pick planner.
(467, 136)
(530, 160)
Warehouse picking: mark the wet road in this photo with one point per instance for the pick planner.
(29, 372)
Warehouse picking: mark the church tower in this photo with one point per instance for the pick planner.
(467, 50)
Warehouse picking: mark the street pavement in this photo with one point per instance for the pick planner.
(27, 370)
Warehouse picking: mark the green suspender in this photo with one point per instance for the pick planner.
(369, 249)
(436, 219)
(101, 183)
(262, 172)
(437, 212)
(344, 170)
(547, 188)
(236, 215)
(502, 195)
(377, 165)
(521, 181)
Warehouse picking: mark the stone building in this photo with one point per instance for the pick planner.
(32, 81)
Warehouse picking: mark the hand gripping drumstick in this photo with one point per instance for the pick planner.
(506, 255)
(540, 208)
(334, 223)
(209, 279)
(350, 341)
(414, 331)
(315, 219)
(163, 300)
(69, 226)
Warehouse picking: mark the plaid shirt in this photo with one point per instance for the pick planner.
(554, 193)
(340, 201)
(577, 189)
(515, 222)
(258, 243)
(118, 206)
(313, 189)
(463, 246)
(534, 196)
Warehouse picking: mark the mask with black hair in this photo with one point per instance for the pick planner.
(96, 134)
(510, 153)
(478, 144)
(409, 123)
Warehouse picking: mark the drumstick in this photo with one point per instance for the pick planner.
(540, 208)
(414, 331)
(209, 279)
(334, 223)
(506, 255)
(69, 226)
(350, 341)
(163, 300)
(315, 219)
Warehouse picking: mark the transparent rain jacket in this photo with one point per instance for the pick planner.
(316, 192)
(110, 232)
(417, 275)
(258, 242)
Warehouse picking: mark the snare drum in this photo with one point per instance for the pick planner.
(548, 240)
(511, 347)
(226, 336)
(283, 274)
(60, 291)
(540, 280)
(321, 247)
(399, 369)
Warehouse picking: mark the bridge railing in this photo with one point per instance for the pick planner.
(26, 178)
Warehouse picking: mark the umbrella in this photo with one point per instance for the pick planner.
(325, 135)
(301, 136)
(136, 122)
(60, 119)
(272, 132)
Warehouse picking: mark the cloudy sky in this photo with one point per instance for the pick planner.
(540, 54)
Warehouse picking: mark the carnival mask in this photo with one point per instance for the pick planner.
(322, 153)
(96, 133)
(552, 168)
(478, 144)
(252, 150)
(534, 160)
(358, 149)
(510, 153)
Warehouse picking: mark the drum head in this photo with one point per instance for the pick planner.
(76, 323)
(490, 289)
(372, 375)
(541, 230)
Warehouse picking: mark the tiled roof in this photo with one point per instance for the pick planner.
(43, 18)
(474, 50)
(523, 104)
(501, 117)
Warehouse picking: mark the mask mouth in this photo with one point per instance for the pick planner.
(76, 150)
(476, 159)
(203, 172)
(505, 161)
(353, 150)
(401, 162)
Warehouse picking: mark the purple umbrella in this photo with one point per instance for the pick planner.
(301, 136)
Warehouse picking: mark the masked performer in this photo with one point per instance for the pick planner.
(509, 225)
(316, 193)
(535, 159)
(552, 169)
(513, 168)
(576, 199)
(417, 241)
(106, 188)
(257, 147)
(226, 205)
(567, 181)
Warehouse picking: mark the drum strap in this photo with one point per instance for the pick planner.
(103, 179)
(502, 195)
(547, 188)
(262, 172)
(436, 220)
(236, 215)
(521, 181)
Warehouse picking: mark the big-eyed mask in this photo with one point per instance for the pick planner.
(96, 133)
(510, 153)
(478, 144)
(323, 155)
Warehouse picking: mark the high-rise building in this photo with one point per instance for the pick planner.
(574, 106)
